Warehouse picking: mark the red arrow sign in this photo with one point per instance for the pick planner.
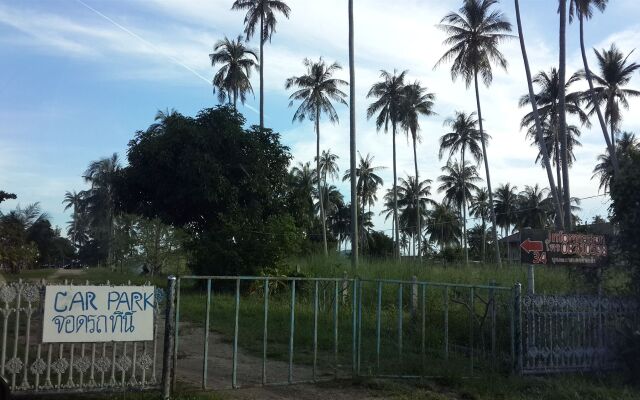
(529, 246)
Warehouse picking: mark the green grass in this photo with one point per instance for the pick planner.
(449, 385)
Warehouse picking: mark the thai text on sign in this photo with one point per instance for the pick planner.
(98, 313)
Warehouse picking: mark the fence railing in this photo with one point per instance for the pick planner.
(295, 330)
(573, 333)
(30, 366)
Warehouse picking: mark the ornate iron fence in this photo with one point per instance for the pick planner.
(573, 333)
(30, 366)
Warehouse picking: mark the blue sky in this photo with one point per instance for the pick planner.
(78, 78)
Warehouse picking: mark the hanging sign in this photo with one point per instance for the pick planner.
(98, 314)
(562, 248)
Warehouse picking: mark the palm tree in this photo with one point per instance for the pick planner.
(315, 91)
(457, 183)
(388, 96)
(537, 123)
(463, 137)
(481, 208)
(233, 79)
(329, 166)
(474, 35)
(562, 114)
(443, 226)
(413, 198)
(551, 143)
(548, 104)
(416, 101)
(367, 186)
(584, 10)
(303, 178)
(533, 207)
(615, 73)
(331, 199)
(75, 201)
(100, 198)
(352, 140)
(506, 206)
(604, 169)
(261, 12)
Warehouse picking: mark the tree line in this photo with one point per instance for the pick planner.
(474, 34)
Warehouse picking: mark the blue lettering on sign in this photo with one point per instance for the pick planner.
(55, 302)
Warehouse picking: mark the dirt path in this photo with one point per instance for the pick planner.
(220, 361)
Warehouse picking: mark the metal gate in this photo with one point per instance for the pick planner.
(30, 366)
(250, 331)
(573, 333)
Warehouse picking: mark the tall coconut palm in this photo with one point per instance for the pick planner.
(457, 183)
(537, 122)
(233, 79)
(75, 201)
(584, 10)
(506, 206)
(261, 14)
(352, 140)
(316, 91)
(604, 170)
(562, 114)
(413, 198)
(416, 101)
(464, 137)
(388, 96)
(332, 200)
(615, 73)
(548, 105)
(481, 208)
(474, 34)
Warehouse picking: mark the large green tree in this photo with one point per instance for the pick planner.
(474, 34)
(261, 16)
(316, 91)
(225, 185)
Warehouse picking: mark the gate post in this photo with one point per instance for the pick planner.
(517, 328)
(169, 332)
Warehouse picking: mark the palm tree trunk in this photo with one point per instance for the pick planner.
(418, 227)
(395, 194)
(262, 67)
(558, 169)
(536, 115)
(320, 193)
(596, 105)
(613, 134)
(235, 99)
(484, 239)
(352, 142)
(562, 120)
(464, 214)
(486, 167)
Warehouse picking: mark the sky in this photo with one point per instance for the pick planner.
(78, 78)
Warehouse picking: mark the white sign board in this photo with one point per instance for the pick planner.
(98, 314)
